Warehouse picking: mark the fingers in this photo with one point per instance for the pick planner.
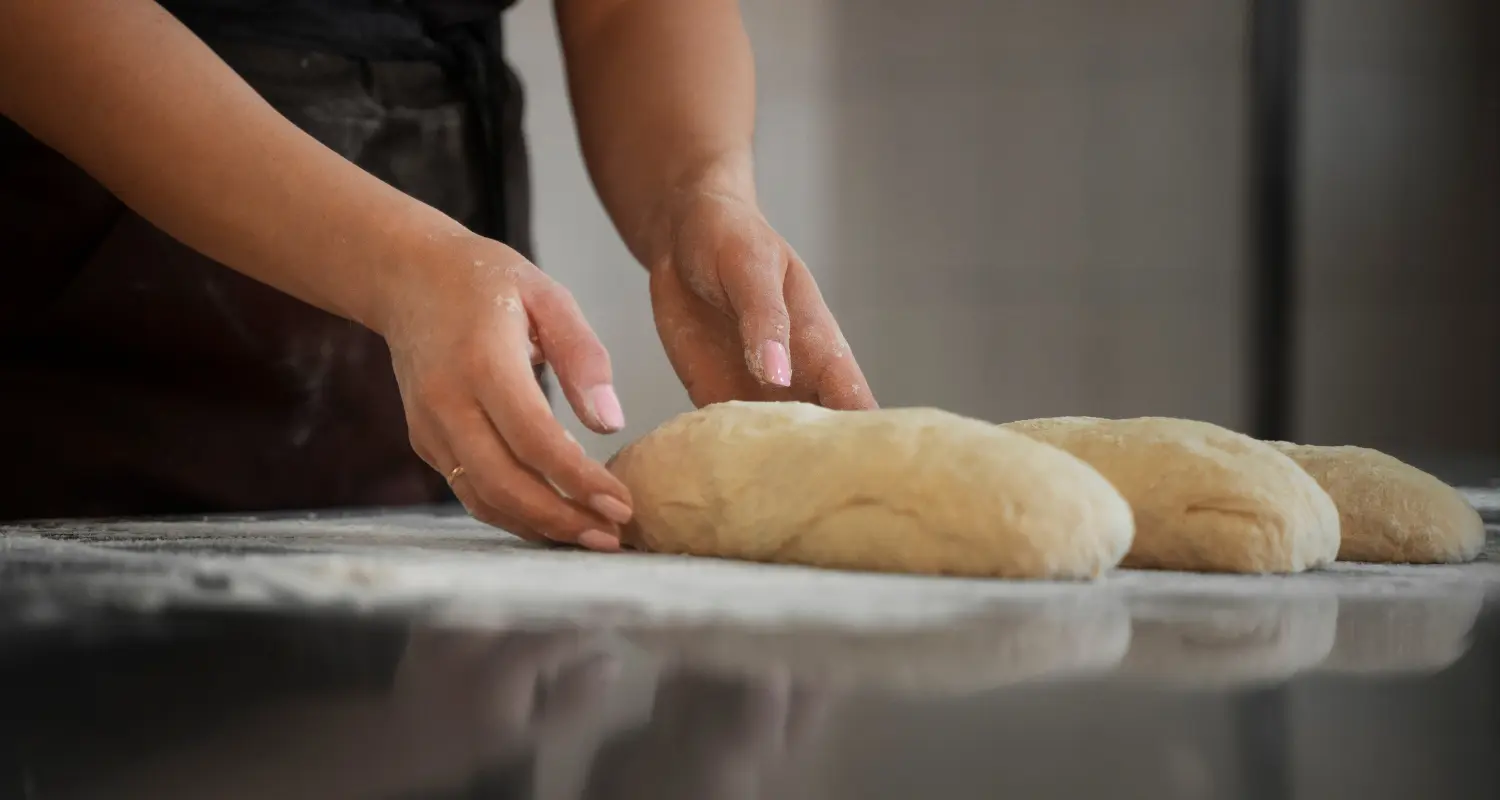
(430, 446)
(465, 363)
(489, 515)
(582, 365)
(751, 275)
(428, 443)
(701, 343)
(522, 470)
(494, 479)
(767, 287)
(832, 374)
(534, 349)
(538, 443)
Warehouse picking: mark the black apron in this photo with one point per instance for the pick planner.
(138, 377)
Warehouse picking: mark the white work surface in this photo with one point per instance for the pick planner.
(455, 568)
(1133, 673)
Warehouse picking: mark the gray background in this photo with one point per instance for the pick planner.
(1039, 208)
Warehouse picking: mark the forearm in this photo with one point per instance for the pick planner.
(664, 95)
(135, 99)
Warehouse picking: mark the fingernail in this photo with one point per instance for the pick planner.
(599, 540)
(775, 363)
(604, 405)
(612, 508)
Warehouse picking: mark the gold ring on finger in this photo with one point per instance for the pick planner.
(456, 473)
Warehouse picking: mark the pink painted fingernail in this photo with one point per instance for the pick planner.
(775, 363)
(612, 508)
(599, 540)
(604, 405)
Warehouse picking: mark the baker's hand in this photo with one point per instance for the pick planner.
(466, 323)
(740, 315)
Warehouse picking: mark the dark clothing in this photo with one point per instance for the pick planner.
(138, 377)
(375, 29)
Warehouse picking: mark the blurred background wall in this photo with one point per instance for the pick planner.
(1400, 257)
(1039, 208)
(1026, 208)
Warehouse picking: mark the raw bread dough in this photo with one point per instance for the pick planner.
(1206, 499)
(1391, 512)
(897, 490)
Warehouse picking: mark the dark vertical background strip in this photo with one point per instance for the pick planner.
(1274, 83)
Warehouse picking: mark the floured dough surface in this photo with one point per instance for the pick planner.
(1389, 511)
(896, 490)
(1206, 499)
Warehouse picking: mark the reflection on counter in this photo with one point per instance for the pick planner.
(1192, 641)
(1047, 698)
(1019, 642)
(1406, 632)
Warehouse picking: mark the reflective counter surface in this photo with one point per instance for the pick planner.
(417, 655)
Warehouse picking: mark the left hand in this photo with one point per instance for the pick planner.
(740, 315)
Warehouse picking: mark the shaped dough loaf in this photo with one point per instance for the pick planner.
(903, 490)
(1205, 498)
(1391, 512)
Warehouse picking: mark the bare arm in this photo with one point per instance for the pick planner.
(134, 98)
(664, 94)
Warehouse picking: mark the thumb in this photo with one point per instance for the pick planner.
(753, 284)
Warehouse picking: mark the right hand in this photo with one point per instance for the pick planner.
(466, 322)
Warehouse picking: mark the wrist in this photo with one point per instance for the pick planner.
(727, 178)
(407, 255)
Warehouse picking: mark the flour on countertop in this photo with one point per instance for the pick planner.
(454, 568)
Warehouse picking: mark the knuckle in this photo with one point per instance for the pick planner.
(751, 252)
(584, 354)
(549, 296)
